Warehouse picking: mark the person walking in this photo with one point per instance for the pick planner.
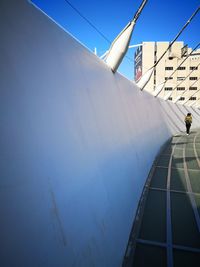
(188, 122)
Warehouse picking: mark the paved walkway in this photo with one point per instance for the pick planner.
(167, 228)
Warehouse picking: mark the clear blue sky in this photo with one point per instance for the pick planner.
(160, 21)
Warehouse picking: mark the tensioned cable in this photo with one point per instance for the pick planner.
(185, 79)
(93, 26)
(90, 23)
(146, 77)
(176, 37)
(105, 38)
(190, 85)
(181, 83)
(191, 53)
(189, 98)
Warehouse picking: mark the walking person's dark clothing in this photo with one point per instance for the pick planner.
(188, 122)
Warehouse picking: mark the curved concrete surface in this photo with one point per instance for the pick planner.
(76, 146)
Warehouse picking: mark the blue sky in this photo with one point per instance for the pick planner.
(159, 21)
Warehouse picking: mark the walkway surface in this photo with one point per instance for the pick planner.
(167, 227)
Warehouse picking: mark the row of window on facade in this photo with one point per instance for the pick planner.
(180, 88)
(182, 68)
(181, 78)
(183, 98)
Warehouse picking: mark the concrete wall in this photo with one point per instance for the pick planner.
(76, 146)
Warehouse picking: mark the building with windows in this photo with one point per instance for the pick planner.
(179, 69)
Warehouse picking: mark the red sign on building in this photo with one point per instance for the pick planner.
(138, 63)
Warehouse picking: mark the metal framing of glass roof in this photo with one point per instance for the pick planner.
(166, 230)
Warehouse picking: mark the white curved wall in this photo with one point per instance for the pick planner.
(76, 146)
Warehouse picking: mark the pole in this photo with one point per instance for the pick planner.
(121, 43)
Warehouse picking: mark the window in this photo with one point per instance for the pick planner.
(168, 78)
(180, 88)
(168, 68)
(181, 68)
(194, 68)
(180, 78)
(182, 98)
(192, 98)
(168, 88)
(193, 78)
(193, 88)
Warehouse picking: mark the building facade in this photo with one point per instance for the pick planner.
(179, 70)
